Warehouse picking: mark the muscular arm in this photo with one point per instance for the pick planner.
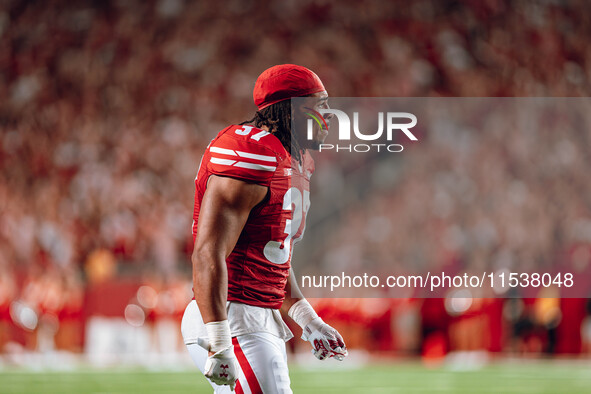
(225, 207)
(327, 341)
(292, 292)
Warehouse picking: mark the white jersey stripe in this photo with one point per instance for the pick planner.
(223, 151)
(253, 166)
(241, 164)
(225, 162)
(229, 152)
(257, 157)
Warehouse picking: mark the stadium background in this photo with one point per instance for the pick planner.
(107, 106)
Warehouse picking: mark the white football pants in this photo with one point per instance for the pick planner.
(261, 356)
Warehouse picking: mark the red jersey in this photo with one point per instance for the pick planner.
(258, 266)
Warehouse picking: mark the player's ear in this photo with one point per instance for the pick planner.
(297, 110)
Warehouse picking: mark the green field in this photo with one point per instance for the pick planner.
(505, 377)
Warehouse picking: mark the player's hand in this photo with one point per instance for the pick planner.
(326, 341)
(221, 367)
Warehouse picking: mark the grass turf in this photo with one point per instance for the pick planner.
(512, 377)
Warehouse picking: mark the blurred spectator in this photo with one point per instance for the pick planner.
(107, 107)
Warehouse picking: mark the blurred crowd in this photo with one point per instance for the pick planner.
(491, 184)
(107, 106)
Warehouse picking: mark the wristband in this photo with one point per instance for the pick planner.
(302, 312)
(218, 333)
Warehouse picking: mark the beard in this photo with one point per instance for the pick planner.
(300, 136)
(313, 145)
(305, 143)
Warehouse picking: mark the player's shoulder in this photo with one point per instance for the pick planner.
(246, 140)
(246, 153)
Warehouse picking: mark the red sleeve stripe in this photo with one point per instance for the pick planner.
(251, 378)
(242, 164)
(229, 152)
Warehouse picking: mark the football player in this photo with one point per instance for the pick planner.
(251, 199)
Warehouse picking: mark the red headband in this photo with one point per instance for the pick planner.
(283, 82)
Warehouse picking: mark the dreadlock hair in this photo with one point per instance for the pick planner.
(277, 117)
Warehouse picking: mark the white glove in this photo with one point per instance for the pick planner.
(221, 367)
(326, 341)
